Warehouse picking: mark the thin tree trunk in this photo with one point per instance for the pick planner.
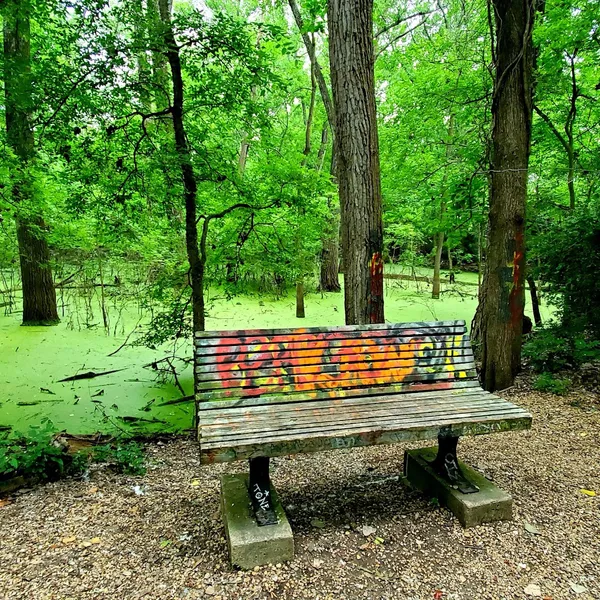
(439, 246)
(500, 312)
(188, 176)
(39, 295)
(300, 314)
(357, 149)
(535, 302)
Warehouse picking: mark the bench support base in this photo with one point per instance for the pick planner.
(260, 491)
(446, 465)
(250, 545)
(485, 506)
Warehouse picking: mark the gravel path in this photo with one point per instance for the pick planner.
(100, 539)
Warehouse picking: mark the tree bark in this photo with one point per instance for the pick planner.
(188, 177)
(357, 149)
(437, 264)
(535, 301)
(39, 295)
(499, 318)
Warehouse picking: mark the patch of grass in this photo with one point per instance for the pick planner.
(547, 382)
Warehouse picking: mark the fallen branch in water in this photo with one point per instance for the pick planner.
(88, 375)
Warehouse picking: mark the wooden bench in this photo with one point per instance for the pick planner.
(273, 392)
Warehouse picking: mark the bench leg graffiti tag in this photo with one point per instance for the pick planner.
(260, 492)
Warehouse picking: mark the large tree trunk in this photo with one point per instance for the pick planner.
(499, 318)
(188, 176)
(39, 296)
(357, 150)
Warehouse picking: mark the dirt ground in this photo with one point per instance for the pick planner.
(160, 536)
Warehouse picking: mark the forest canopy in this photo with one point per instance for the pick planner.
(130, 124)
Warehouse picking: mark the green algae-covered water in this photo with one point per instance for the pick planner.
(132, 399)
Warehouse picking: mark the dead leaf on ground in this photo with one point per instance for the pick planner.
(69, 540)
(590, 493)
(5, 502)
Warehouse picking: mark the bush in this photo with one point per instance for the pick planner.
(555, 348)
(36, 457)
(568, 263)
(546, 382)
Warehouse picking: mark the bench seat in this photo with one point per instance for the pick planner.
(279, 429)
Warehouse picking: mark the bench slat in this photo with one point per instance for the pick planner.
(245, 372)
(347, 378)
(342, 328)
(456, 348)
(411, 343)
(328, 336)
(364, 437)
(205, 400)
(335, 419)
(299, 410)
(305, 431)
(323, 383)
(212, 410)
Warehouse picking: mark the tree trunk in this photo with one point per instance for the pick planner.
(535, 302)
(188, 176)
(300, 314)
(437, 265)
(500, 312)
(357, 150)
(39, 295)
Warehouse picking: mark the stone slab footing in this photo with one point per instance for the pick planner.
(485, 506)
(250, 545)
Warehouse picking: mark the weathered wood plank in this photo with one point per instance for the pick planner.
(407, 343)
(329, 336)
(206, 402)
(300, 410)
(362, 428)
(263, 387)
(342, 328)
(335, 421)
(211, 410)
(242, 371)
(346, 354)
(354, 439)
(343, 377)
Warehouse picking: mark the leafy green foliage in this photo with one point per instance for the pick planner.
(547, 382)
(128, 458)
(35, 457)
(569, 268)
(554, 348)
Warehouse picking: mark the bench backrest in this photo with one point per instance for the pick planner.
(281, 365)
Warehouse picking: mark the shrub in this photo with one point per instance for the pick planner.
(546, 382)
(568, 253)
(36, 457)
(555, 348)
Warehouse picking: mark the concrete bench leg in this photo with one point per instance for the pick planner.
(484, 506)
(251, 545)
